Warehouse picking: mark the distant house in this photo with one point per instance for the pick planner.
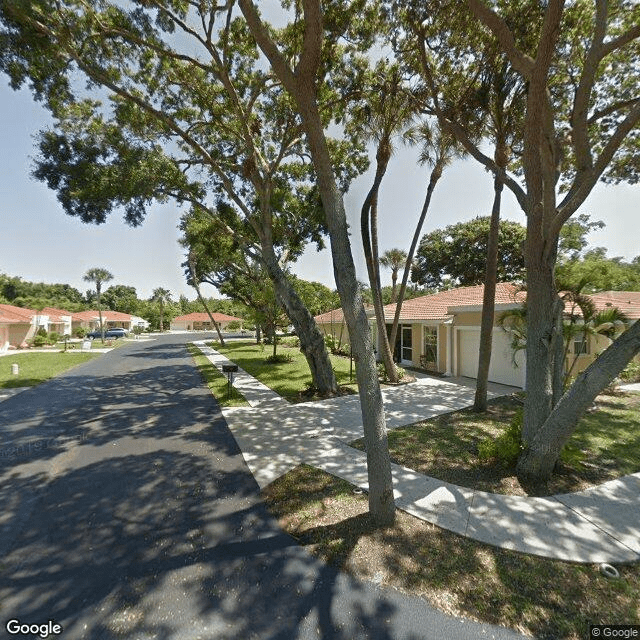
(17, 325)
(440, 332)
(58, 320)
(202, 322)
(90, 320)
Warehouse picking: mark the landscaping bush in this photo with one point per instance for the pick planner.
(80, 332)
(507, 446)
(382, 372)
(39, 340)
(632, 372)
(53, 337)
(291, 342)
(279, 358)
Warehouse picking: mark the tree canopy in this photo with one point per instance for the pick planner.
(457, 254)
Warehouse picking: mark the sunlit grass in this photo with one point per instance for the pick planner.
(216, 381)
(35, 368)
(288, 379)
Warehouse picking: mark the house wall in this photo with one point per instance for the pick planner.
(597, 344)
(469, 319)
(20, 332)
(442, 348)
(337, 330)
(4, 335)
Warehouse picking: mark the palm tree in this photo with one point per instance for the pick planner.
(393, 259)
(385, 116)
(438, 149)
(98, 276)
(162, 297)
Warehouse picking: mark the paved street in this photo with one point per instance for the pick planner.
(127, 511)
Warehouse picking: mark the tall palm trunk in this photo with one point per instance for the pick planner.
(436, 174)
(368, 230)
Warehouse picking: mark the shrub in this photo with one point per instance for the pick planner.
(290, 342)
(507, 446)
(80, 332)
(53, 337)
(631, 372)
(382, 372)
(39, 340)
(279, 358)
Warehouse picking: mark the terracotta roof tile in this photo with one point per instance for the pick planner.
(204, 317)
(107, 314)
(627, 301)
(10, 313)
(436, 306)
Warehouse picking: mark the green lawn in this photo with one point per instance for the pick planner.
(290, 379)
(216, 381)
(462, 577)
(605, 445)
(35, 368)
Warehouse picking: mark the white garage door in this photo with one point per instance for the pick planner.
(501, 369)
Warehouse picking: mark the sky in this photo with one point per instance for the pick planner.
(40, 243)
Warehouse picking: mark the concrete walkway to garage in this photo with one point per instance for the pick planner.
(601, 524)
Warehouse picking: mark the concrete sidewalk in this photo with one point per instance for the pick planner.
(601, 524)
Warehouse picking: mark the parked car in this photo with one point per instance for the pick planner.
(116, 332)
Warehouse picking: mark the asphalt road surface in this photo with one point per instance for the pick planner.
(127, 511)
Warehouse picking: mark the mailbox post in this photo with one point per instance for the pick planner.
(229, 369)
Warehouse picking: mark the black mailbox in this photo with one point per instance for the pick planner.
(229, 368)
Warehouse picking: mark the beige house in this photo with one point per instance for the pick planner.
(441, 332)
(90, 320)
(586, 347)
(202, 322)
(17, 325)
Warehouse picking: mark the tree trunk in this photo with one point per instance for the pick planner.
(100, 316)
(381, 501)
(559, 354)
(541, 319)
(539, 459)
(369, 245)
(312, 342)
(302, 87)
(196, 286)
(488, 301)
(394, 282)
(433, 180)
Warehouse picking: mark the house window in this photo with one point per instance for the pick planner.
(406, 348)
(429, 359)
(581, 344)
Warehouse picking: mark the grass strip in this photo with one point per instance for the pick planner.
(35, 368)
(462, 577)
(604, 446)
(216, 381)
(291, 380)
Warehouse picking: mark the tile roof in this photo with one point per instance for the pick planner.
(107, 314)
(204, 317)
(9, 313)
(436, 306)
(55, 314)
(337, 316)
(627, 301)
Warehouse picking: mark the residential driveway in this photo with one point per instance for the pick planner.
(127, 511)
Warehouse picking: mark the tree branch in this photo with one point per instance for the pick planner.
(521, 62)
